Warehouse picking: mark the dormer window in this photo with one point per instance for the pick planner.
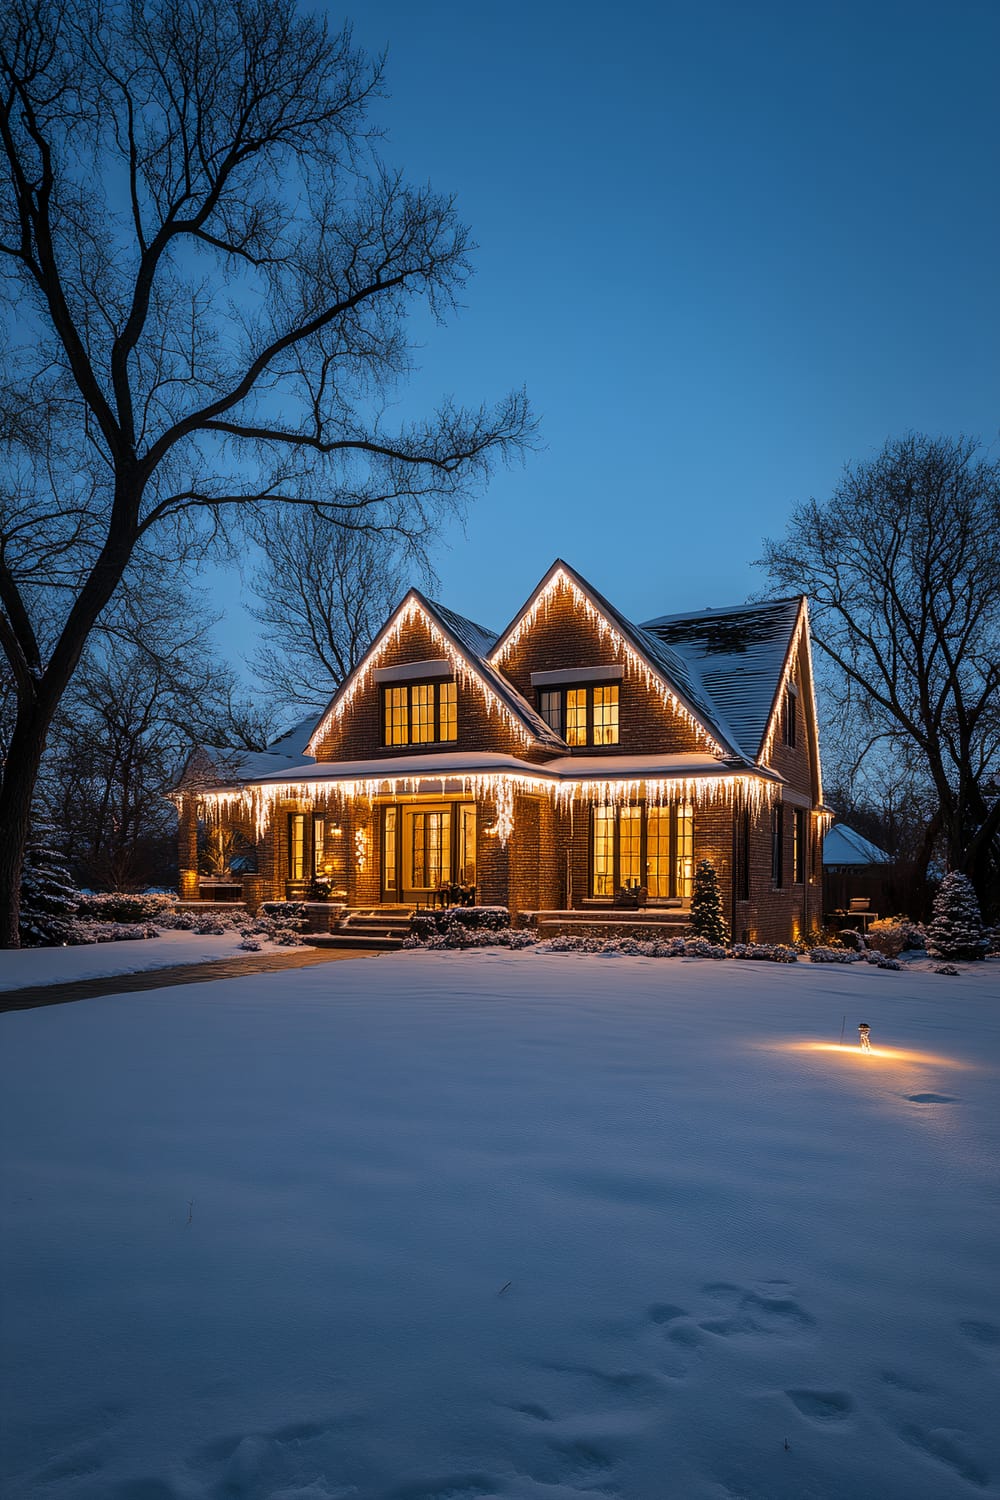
(420, 713)
(582, 715)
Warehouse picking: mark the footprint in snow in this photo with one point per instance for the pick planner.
(751, 1313)
(939, 1443)
(822, 1406)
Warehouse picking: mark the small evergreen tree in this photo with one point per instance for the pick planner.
(48, 892)
(707, 920)
(956, 929)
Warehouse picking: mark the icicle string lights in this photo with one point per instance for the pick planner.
(500, 788)
(635, 664)
(410, 610)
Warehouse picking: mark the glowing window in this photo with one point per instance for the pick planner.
(684, 850)
(576, 716)
(448, 710)
(420, 713)
(397, 716)
(603, 869)
(582, 715)
(606, 715)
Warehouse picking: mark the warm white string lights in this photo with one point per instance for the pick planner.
(409, 611)
(635, 665)
(498, 787)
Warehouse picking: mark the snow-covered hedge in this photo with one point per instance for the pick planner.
(128, 906)
(774, 953)
(459, 935)
(77, 933)
(425, 925)
(832, 956)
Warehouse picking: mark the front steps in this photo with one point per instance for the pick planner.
(381, 929)
(651, 922)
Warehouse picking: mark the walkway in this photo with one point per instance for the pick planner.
(158, 979)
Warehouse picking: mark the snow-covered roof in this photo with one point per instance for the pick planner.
(737, 655)
(844, 846)
(632, 767)
(447, 764)
(454, 764)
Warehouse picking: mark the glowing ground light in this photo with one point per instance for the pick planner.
(875, 1054)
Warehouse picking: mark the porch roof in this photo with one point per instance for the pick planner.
(453, 765)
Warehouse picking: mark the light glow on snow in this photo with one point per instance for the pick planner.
(877, 1054)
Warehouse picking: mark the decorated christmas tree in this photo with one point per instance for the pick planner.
(706, 918)
(956, 929)
(48, 894)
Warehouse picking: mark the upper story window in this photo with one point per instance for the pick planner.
(788, 716)
(420, 713)
(585, 715)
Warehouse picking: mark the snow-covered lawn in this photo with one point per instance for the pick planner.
(442, 1226)
(30, 966)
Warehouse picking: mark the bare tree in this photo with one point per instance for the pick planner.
(902, 566)
(207, 270)
(324, 592)
(148, 688)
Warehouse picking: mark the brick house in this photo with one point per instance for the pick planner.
(576, 765)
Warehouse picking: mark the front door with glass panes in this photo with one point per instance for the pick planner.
(427, 847)
(640, 846)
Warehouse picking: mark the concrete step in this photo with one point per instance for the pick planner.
(362, 941)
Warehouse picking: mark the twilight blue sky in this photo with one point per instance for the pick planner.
(727, 246)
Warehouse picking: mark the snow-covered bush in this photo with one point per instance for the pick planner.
(887, 935)
(427, 924)
(956, 929)
(851, 938)
(706, 918)
(127, 906)
(701, 947)
(832, 956)
(78, 933)
(251, 944)
(457, 935)
(946, 969)
(775, 953)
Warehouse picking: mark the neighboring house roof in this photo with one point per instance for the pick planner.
(232, 767)
(844, 846)
(738, 656)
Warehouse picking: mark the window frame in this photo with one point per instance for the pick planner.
(799, 845)
(435, 684)
(643, 808)
(778, 846)
(562, 692)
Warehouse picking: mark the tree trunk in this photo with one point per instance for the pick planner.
(17, 788)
